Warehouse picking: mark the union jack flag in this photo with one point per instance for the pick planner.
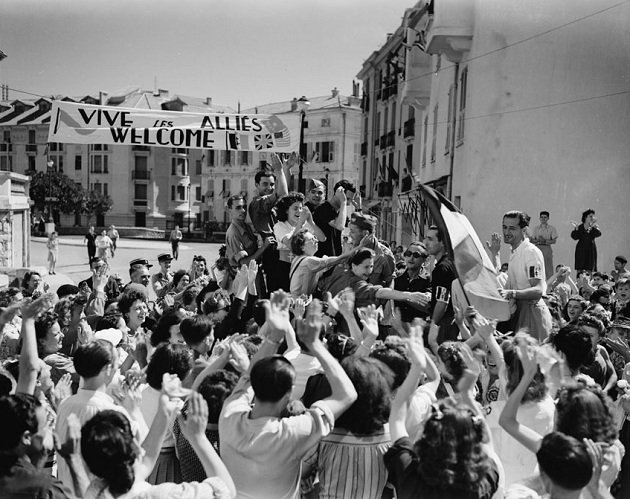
(263, 141)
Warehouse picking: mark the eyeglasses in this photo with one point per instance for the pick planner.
(240, 207)
(415, 254)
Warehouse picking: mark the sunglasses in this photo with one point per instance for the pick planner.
(415, 254)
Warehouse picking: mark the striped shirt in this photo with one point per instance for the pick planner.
(349, 465)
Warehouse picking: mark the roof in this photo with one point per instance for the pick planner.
(323, 102)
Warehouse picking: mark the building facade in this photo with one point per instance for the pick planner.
(149, 186)
(518, 106)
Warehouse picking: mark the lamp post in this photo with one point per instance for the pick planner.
(302, 104)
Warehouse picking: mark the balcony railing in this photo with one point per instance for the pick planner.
(140, 174)
(141, 202)
(31, 148)
(385, 189)
(383, 141)
(6, 147)
(141, 148)
(410, 126)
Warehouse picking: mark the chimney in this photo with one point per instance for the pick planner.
(209, 101)
(294, 104)
(335, 92)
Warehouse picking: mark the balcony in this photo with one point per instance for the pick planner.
(385, 189)
(141, 202)
(450, 30)
(31, 148)
(364, 148)
(6, 147)
(141, 148)
(140, 175)
(409, 128)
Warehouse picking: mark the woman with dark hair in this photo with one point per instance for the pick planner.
(355, 278)
(199, 272)
(134, 308)
(451, 459)
(32, 284)
(575, 306)
(359, 436)
(166, 359)
(215, 388)
(292, 216)
(585, 235)
(114, 456)
(582, 411)
(167, 330)
(49, 343)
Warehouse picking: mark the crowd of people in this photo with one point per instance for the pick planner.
(313, 359)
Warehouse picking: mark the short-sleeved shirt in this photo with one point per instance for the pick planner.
(304, 274)
(261, 215)
(526, 262)
(284, 229)
(402, 463)
(422, 284)
(547, 233)
(240, 242)
(324, 214)
(442, 277)
(264, 455)
(160, 282)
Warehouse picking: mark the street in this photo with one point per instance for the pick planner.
(73, 257)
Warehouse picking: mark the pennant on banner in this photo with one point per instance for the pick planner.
(476, 272)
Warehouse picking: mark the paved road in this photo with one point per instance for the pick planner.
(73, 257)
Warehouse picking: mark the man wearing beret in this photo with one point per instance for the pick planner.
(163, 278)
(362, 229)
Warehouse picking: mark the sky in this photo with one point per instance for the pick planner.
(255, 51)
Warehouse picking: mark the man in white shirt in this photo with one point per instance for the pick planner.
(526, 277)
(261, 449)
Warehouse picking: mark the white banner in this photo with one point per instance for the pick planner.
(86, 124)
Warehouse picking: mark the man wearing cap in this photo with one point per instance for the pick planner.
(415, 279)
(620, 271)
(261, 215)
(331, 215)
(362, 229)
(163, 278)
(315, 194)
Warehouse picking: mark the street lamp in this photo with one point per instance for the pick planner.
(302, 105)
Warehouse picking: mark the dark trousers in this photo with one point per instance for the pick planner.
(271, 268)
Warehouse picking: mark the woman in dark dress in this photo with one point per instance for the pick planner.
(585, 234)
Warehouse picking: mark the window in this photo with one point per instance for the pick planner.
(180, 150)
(198, 167)
(412, 113)
(210, 192)
(449, 119)
(245, 158)
(181, 192)
(325, 151)
(97, 187)
(227, 186)
(100, 164)
(386, 119)
(6, 136)
(393, 127)
(409, 157)
(244, 186)
(210, 154)
(31, 163)
(198, 193)
(172, 193)
(463, 84)
(179, 166)
(105, 189)
(6, 164)
(262, 164)
(140, 191)
(434, 139)
(227, 158)
(58, 163)
(31, 137)
(54, 147)
(424, 142)
(325, 122)
(99, 147)
(77, 162)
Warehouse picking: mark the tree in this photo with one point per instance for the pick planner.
(56, 190)
(95, 203)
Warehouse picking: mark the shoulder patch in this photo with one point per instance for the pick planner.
(535, 272)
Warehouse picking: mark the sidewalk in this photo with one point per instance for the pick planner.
(121, 243)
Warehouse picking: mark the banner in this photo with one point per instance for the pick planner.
(476, 272)
(87, 124)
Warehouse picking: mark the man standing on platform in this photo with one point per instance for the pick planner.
(330, 217)
(260, 212)
(526, 277)
(543, 236)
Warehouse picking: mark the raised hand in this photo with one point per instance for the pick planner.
(471, 372)
(194, 420)
(9, 313)
(369, 318)
(309, 328)
(72, 445)
(346, 299)
(277, 313)
(527, 355)
(299, 307)
(100, 276)
(63, 389)
(419, 298)
(415, 346)
(238, 356)
(494, 245)
(37, 307)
